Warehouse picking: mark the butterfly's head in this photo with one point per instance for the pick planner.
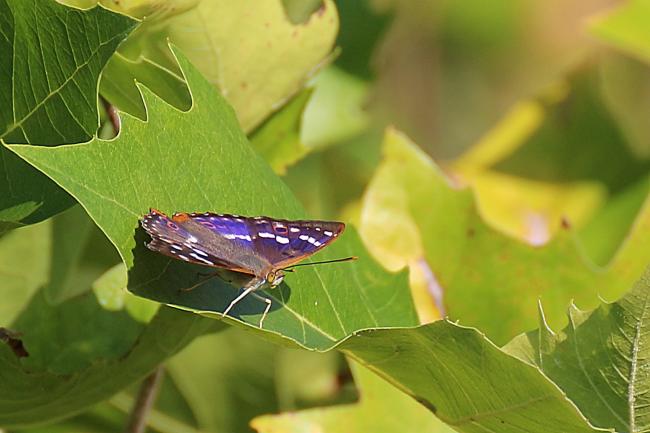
(274, 278)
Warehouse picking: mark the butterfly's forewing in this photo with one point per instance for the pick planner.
(182, 239)
(285, 243)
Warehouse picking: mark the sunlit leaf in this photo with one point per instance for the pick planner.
(381, 408)
(489, 280)
(52, 58)
(625, 28)
(201, 161)
(599, 359)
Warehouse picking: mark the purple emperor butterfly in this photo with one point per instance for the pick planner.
(260, 247)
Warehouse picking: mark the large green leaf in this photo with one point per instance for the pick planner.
(600, 359)
(467, 381)
(52, 58)
(381, 408)
(489, 280)
(197, 161)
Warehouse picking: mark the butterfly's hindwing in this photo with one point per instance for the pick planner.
(172, 239)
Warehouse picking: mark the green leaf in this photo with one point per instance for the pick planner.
(336, 112)
(24, 267)
(382, 408)
(216, 373)
(110, 290)
(489, 280)
(34, 394)
(117, 85)
(467, 381)
(198, 161)
(626, 91)
(70, 338)
(626, 28)
(253, 53)
(580, 149)
(76, 260)
(278, 139)
(299, 11)
(599, 359)
(52, 58)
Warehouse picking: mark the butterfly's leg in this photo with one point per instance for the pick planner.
(201, 282)
(252, 285)
(266, 310)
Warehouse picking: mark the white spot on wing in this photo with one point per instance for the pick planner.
(314, 242)
(201, 259)
(192, 239)
(282, 239)
(303, 237)
(266, 235)
(294, 229)
(328, 233)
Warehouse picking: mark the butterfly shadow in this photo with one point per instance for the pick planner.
(202, 288)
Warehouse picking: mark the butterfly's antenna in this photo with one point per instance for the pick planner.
(345, 259)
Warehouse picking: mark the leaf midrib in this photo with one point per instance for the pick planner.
(17, 124)
(631, 388)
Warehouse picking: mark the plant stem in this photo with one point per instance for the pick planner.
(144, 402)
(111, 112)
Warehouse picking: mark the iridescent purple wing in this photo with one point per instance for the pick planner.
(284, 243)
(196, 240)
(243, 244)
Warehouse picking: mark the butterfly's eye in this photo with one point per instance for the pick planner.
(275, 278)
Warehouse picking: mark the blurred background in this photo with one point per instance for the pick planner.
(537, 109)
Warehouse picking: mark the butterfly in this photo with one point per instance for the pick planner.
(263, 248)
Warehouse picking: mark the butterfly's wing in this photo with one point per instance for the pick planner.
(199, 240)
(285, 243)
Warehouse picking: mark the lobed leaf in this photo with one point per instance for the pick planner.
(600, 359)
(200, 160)
(484, 274)
(52, 58)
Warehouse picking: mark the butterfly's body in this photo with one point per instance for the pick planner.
(258, 246)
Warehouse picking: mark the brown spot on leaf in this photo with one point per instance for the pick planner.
(321, 10)
(10, 338)
(426, 403)
(471, 232)
(565, 223)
